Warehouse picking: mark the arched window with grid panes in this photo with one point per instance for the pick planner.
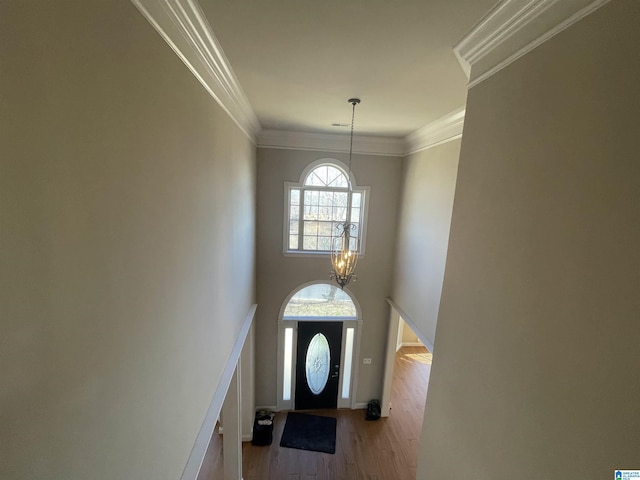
(318, 204)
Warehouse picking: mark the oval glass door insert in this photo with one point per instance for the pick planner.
(317, 363)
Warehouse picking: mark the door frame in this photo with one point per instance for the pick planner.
(395, 315)
(347, 322)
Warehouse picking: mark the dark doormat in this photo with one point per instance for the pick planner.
(309, 432)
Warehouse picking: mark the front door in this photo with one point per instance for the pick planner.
(318, 365)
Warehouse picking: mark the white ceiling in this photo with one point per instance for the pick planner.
(299, 61)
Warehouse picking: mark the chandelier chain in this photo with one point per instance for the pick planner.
(353, 116)
(343, 257)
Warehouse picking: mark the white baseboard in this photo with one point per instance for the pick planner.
(359, 406)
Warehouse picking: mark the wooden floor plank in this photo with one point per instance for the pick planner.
(384, 449)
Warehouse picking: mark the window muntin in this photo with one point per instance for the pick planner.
(316, 208)
(327, 176)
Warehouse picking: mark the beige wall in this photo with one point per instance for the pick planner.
(127, 245)
(425, 219)
(278, 276)
(408, 336)
(536, 370)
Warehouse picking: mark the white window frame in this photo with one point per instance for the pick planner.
(292, 322)
(300, 185)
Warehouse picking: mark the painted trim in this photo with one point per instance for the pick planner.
(247, 382)
(445, 129)
(283, 323)
(183, 25)
(412, 324)
(192, 468)
(393, 332)
(331, 142)
(411, 344)
(359, 406)
(512, 29)
(399, 333)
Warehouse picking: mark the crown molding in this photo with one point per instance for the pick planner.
(445, 129)
(330, 142)
(512, 29)
(185, 28)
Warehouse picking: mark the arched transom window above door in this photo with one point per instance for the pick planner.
(318, 204)
(320, 300)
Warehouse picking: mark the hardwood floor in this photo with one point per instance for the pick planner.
(386, 449)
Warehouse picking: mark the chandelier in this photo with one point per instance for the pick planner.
(343, 257)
